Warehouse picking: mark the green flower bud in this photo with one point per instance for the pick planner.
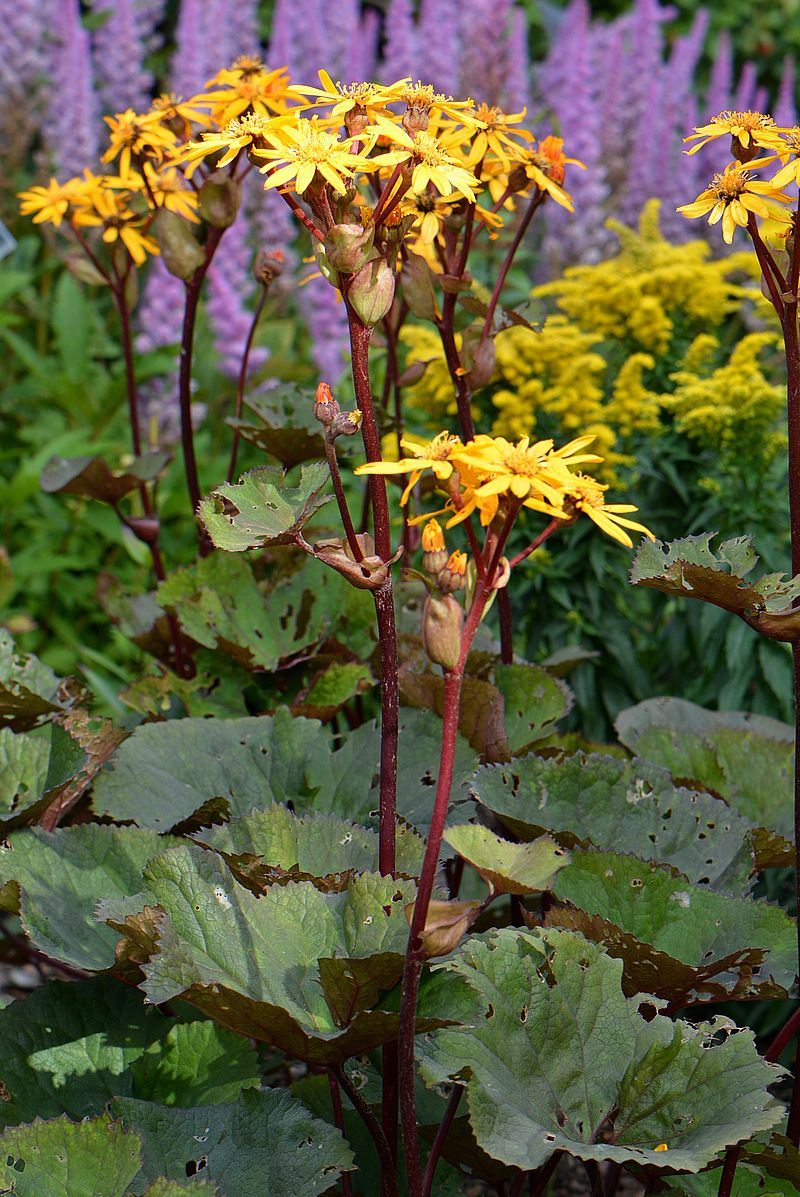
(181, 253)
(442, 623)
(349, 246)
(220, 197)
(371, 292)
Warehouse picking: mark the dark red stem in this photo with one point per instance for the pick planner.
(728, 1171)
(341, 498)
(552, 527)
(536, 201)
(338, 1118)
(242, 380)
(194, 288)
(439, 1141)
(388, 1179)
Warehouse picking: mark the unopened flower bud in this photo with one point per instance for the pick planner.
(219, 200)
(346, 423)
(348, 246)
(326, 409)
(269, 265)
(453, 576)
(371, 291)
(434, 553)
(518, 179)
(442, 623)
(356, 120)
(416, 119)
(743, 153)
(180, 252)
(370, 573)
(446, 924)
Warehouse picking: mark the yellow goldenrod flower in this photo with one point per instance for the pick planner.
(731, 197)
(431, 161)
(432, 455)
(137, 135)
(301, 148)
(587, 496)
(743, 126)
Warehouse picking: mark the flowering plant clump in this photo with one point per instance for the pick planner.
(341, 766)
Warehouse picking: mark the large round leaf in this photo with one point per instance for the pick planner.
(297, 968)
(60, 876)
(627, 806)
(555, 1057)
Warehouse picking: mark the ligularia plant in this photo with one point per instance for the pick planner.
(314, 942)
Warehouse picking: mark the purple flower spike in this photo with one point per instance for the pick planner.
(401, 55)
(117, 51)
(73, 125)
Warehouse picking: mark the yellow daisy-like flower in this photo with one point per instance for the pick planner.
(498, 137)
(422, 101)
(346, 100)
(178, 114)
(167, 187)
(247, 86)
(790, 149)
(532, 473)
(139, 135)
(743, 126)
(545, 165)
(108, 209)
(731, 197)
(431, 161)
(237, 134)
(435, 455)
(587, 497)
(300, 148)
(50, 203)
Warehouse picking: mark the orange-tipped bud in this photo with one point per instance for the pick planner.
(326, 409)
(432, 537)
(453, 575)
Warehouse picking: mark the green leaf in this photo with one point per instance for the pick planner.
(314, 844)
(197, 1063)
(557, 1058)
(171, 1188)
(283, 425)
(747, 1182)
(746, 759)
(94, 479)
(265, 1143)
(69, 1048)
(97, 1158)
(261, 509)
(690, 567)
(617, 804)
(534, 701)
(29, 690)
(505, 867)
(333, 688)
(165, 772)
(253, 964)
(220, 605)
(708, 947)
(63, 874)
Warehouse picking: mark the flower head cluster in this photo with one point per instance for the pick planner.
(496, 477)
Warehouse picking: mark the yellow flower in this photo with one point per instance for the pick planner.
(790, 171)
(432, 537)
(302, 148)
(587, 497)
(234, 137)
(545, 166)
(167, 187)
(432, 455)
(51, 202)
(247, 86)
(731, 197)
(743, 126)
(524, 470)
(347, 100)
(432, 162)
(178, 114)
(422, 101)
(497, 137)
(108, 208)
(661, 1147)
(137, 135)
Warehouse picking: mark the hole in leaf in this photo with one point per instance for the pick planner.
(489, 1011)
(195, 1166)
